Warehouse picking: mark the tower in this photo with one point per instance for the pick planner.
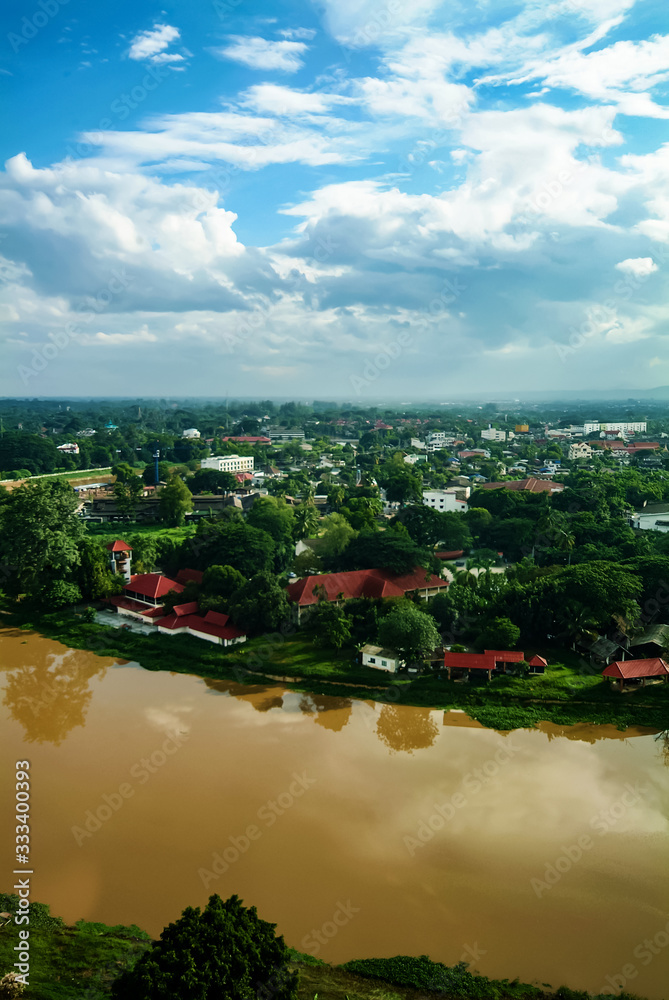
(120, 558)
(156, 473)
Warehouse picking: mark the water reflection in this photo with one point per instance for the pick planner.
(49, 693)
(400, 730)
(327, 711)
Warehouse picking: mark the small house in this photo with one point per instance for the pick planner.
(380, 659)
(634, 671)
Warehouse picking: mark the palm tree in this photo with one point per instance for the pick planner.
(306, 520)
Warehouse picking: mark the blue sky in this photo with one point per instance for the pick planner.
(363, 199)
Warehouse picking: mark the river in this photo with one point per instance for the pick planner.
(360, 829)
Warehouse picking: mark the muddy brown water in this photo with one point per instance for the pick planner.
(360, 829)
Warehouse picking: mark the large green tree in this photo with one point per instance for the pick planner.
(409, 632)
(389, 550)
(230, 542)
(276, 517)
(40, 537)
(225, 951)
(175, 501)
(261, 605)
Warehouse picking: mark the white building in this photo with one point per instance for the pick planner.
(437, 440)
(653, 517)
(190, 432)
(492, 434)
(380, 659)
(579, 449)
(615, 426)
(228, 463)
(444, 500)
(68, 449)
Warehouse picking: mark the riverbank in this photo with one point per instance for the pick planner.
(565, 694)
(81, 962)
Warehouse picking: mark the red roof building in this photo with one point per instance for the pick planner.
(626, 670)
(150, 587)
(118, 546)
(248, 439)
(455, 554)
(531, 485)
(363, 583)
(490, 660)
(189, 576)
(213, 626)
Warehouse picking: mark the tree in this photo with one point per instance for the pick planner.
(261, 605)
(428, 526)
(175, 501)
(212, 481)
(149, 474)
(500, 633)
(362, 512)
(330, 625)
(219, 585)
(400, 483)
(224, 951)
(127, 493)
(40, 536)
(273, 515)
(409, 632)
(94, 577)
(338, 533)
(443, 610)
(383, 550)
(306, 520)
(230, 542)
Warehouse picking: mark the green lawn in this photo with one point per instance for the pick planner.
(108, 533)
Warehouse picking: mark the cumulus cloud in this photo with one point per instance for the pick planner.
(263, 53)
(150, 45)
(638, 266)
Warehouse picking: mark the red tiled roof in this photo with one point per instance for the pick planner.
(625, 669)
(152, 585)
(531, 484)
(242, 477)
(127, 603)
(248, 439)
(189, 576)
(450, 555)
(538, 661)
(482, 661)
(213, 623)
(186, 609)
(119, 546)
(361, 583)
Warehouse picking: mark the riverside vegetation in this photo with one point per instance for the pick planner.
(93, 961)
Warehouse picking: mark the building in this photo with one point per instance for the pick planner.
(120, 558)
(415, 459)
(444, 500)
(474, 453)
(278, 436)
(615, 426)
(636, 670)
(380, 659)
(579, 449)
(68, 449)
(491, 661)
(491, 434)
(190, 432)
(522, 428)
(531, 484)
(437, 440)
(652, 517)
(228, 463)
(249, 439)
(338, 587)
(212, 626)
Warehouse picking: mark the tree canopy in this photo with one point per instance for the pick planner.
(224, 951)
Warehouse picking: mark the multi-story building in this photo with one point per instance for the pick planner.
(615, 426)
(444, 500)
(492, 434)
(228, 463)
(286, 435)
(579, 449)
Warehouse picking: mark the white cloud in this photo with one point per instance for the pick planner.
(272, 98)
(150, 45)
(262, 53)
(638, 266)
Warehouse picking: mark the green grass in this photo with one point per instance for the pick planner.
(106, 532)
(81, 962)
(71, 475)
(69, 963)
